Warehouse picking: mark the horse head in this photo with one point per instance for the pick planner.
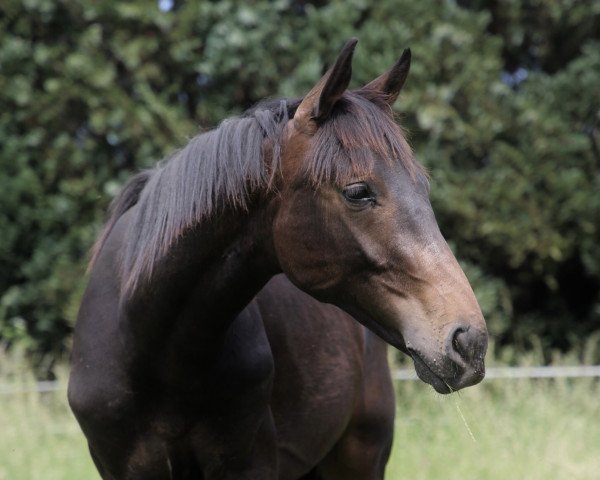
(354, 227)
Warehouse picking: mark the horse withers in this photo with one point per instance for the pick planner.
(325, 190)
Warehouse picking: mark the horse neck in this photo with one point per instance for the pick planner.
(210, 274)
(238, 260)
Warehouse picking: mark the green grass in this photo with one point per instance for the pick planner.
(40, 439)
(523, 430)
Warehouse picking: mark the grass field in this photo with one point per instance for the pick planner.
(521, 429)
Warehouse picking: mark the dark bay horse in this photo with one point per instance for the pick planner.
(171, 370)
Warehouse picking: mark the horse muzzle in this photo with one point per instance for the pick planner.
(461, 364)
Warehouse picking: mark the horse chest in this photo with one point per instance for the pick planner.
(235, 363)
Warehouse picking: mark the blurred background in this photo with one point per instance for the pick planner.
(502, 106)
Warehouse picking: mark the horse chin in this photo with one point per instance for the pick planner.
(446, 376)
(427, 375)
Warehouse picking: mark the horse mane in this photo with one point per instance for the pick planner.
(127, 198)
(218, 168)
(222, 167)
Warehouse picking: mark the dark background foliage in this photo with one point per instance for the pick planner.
(502, 106)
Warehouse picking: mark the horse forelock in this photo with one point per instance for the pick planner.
(361, 129)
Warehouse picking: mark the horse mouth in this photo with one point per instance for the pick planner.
(427, 375)
(460, 376)
(424, 372)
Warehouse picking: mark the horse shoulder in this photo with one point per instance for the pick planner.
(98, 382)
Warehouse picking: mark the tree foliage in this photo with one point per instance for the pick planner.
(502, 106)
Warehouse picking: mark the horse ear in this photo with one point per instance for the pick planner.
(391, 82)
(318, 103)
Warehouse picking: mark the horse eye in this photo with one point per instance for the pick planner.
(358, 193)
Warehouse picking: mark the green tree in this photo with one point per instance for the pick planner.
(502, 105)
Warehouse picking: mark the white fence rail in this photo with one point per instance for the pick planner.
(39, 387)
(493, 373)
(520, 372)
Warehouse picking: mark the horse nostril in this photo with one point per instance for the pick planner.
(469, 343)
(461, 342)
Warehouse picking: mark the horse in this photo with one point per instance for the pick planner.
(166, 381)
